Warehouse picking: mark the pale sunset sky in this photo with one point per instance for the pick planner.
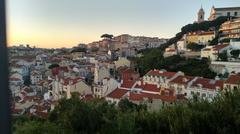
(66, 23)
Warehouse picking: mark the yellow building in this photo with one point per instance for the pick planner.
(230, 29)
(200, 37)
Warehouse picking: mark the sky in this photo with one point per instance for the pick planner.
(66, 23)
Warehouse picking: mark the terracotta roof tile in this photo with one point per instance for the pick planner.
(182, 80)
(117, 93)
(208, 83)
(148, 87)
(233, 79)
(161, 73)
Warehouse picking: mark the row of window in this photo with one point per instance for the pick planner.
(235, 14)
(203, 95)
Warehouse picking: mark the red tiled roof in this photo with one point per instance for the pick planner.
(233, 79)
(161, 73)
(206, 49)
(16, 111)
(14, 79)
(40, 114)
(117, 93)
(219, 47)
(168, 92)
(67, 81)
(182, 80)
(127, 84)
(208, 83)
(129, 71)
(148, 87)
(140, 96)
(29, 98)
(25, 58)
(88, 97)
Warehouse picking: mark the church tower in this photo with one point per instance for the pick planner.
(201, 14)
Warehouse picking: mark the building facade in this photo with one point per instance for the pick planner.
(228, 11)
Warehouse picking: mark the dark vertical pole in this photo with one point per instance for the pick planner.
(4, 90)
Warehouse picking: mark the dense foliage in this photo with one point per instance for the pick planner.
(235, 53)
(153, 58)
(107, 36)
(53, 66)
(79, 49)
(223, 56)
(192, 67)
(195, 46)
(222, 116)
(204, 26)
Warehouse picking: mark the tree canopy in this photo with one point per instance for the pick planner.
(203, 26)
(195, 46)
(155, 60)
(73, 116)
(107, 36)
(235, 53)
(79, 49)
(53, 66)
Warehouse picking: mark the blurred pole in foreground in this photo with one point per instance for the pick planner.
(5, 125)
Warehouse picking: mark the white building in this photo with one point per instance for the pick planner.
(226, 11)
(222, 67)
(69, 86)
(230, 29)
(107, 86)
(233, 82)
(121, 62)
(235, 43)
(100, 73)
(204, 88)
(159, 77)
(35, 77)
(212, 52)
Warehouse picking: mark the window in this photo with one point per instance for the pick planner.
(235, 13)
(210, 95)
(192, 93)
(198, 93)
(203, 95)
(228, 14)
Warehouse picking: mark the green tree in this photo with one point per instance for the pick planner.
(53, 66)
(38, 127)
(107, 36)
(94, 49)
(235, 53)
(79, 50)
(195, 46)
(223, 56)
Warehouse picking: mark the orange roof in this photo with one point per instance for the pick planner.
(148, 87)
(117, 93)
(219, 47)
(127, 84)
(208, 83)
(129, 71)
(40, 114)
(233, 79)
(140, 97)
(161, 73)
(182, 80)
(14, 79)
